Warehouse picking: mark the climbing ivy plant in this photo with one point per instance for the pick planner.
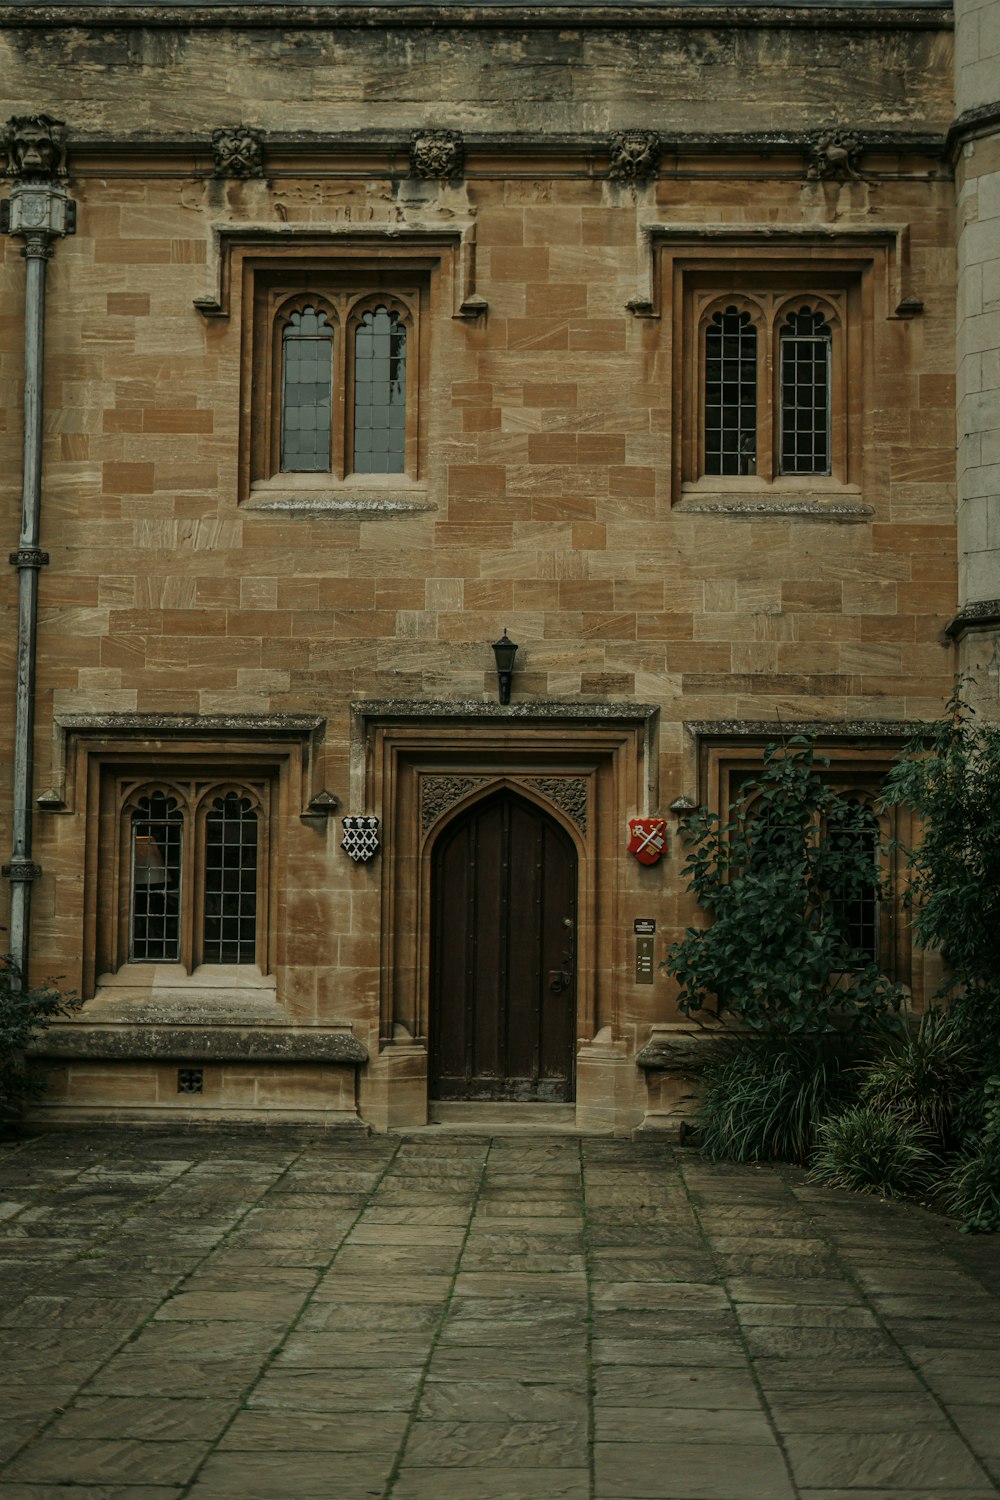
(774, 874)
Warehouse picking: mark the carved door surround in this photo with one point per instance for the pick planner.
(421, 766)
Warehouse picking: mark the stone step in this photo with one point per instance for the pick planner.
(498, 1112)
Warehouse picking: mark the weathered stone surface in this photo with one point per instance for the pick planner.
(521, 170)
(200, 1043)
(249, 1369)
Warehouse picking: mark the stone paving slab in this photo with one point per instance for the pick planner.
(241, 1316)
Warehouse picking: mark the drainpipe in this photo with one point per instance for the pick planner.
(39, 213)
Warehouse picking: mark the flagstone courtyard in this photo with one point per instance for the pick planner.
(461, 1317)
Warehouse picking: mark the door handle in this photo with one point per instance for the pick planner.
(559, 980)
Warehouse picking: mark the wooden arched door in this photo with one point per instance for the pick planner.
(503, 955)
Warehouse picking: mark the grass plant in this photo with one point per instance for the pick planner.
(921, 1076)
(973, 1192)
(871, 1151)
(766, 1099)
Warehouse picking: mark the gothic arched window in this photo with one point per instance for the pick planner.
(156, 835)
(771, 378)
(332, 383)
(805, 342)
(230, 916)
(858, 907)
(380, 393)
(195, 853)
(306, 392)
(731, 393)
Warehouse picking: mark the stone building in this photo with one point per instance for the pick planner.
(375, 332)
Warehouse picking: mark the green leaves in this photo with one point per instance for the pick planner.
(950, 776)
(870, 1151)
(776, 874)
(765, 1100)
(22, 1013)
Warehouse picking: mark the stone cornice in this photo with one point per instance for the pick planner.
(984, 615)
(859, 15)
(984, 119)
(359, 153)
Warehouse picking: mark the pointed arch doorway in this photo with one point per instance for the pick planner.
(503, 954)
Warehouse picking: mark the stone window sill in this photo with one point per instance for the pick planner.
(747, 497)
(166, 990)
(318, 495)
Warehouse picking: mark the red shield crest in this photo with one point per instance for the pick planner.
(647, 839)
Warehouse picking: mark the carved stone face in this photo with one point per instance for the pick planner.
(238, 152)
(635, 155)
(835, 153)
(36, 147)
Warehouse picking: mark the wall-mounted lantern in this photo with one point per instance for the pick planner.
(505, 650)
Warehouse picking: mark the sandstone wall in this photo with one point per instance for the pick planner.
(550, 506)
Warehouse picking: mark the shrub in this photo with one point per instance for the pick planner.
(922, 1076)
(973, 1192)
(765, 1100)
(23, 1012)
(774, 876)
(871, 1151)
(950, 776)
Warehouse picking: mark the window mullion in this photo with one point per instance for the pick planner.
(191, 885)
(121, 944)
(767, 399)
(343, 398)
(263, 879)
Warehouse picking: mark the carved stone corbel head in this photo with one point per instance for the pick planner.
(35, 148)
(834, 153)
(437, 154)
(635, 155)
(238, 151)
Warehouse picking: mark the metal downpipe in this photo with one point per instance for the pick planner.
(27, 606)
(39, 213)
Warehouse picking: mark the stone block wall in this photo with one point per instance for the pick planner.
(977, 145)
(547, 501)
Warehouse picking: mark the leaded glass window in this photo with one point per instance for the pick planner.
(230, 929)
(804, 342)
(154, 915)
(306, 392)
(857, 906)
(380, 393)
(731, 394)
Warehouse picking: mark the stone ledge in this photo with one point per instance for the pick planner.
(814, 14)
(983, 615)
(849, 729)
(337, 506)
(401, 709)
(813, 510)
(679, 1052)
(197, 1044)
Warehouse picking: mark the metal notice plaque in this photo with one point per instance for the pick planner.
(644, 926)
(644, 960)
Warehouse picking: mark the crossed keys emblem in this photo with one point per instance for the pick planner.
(647, 839)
